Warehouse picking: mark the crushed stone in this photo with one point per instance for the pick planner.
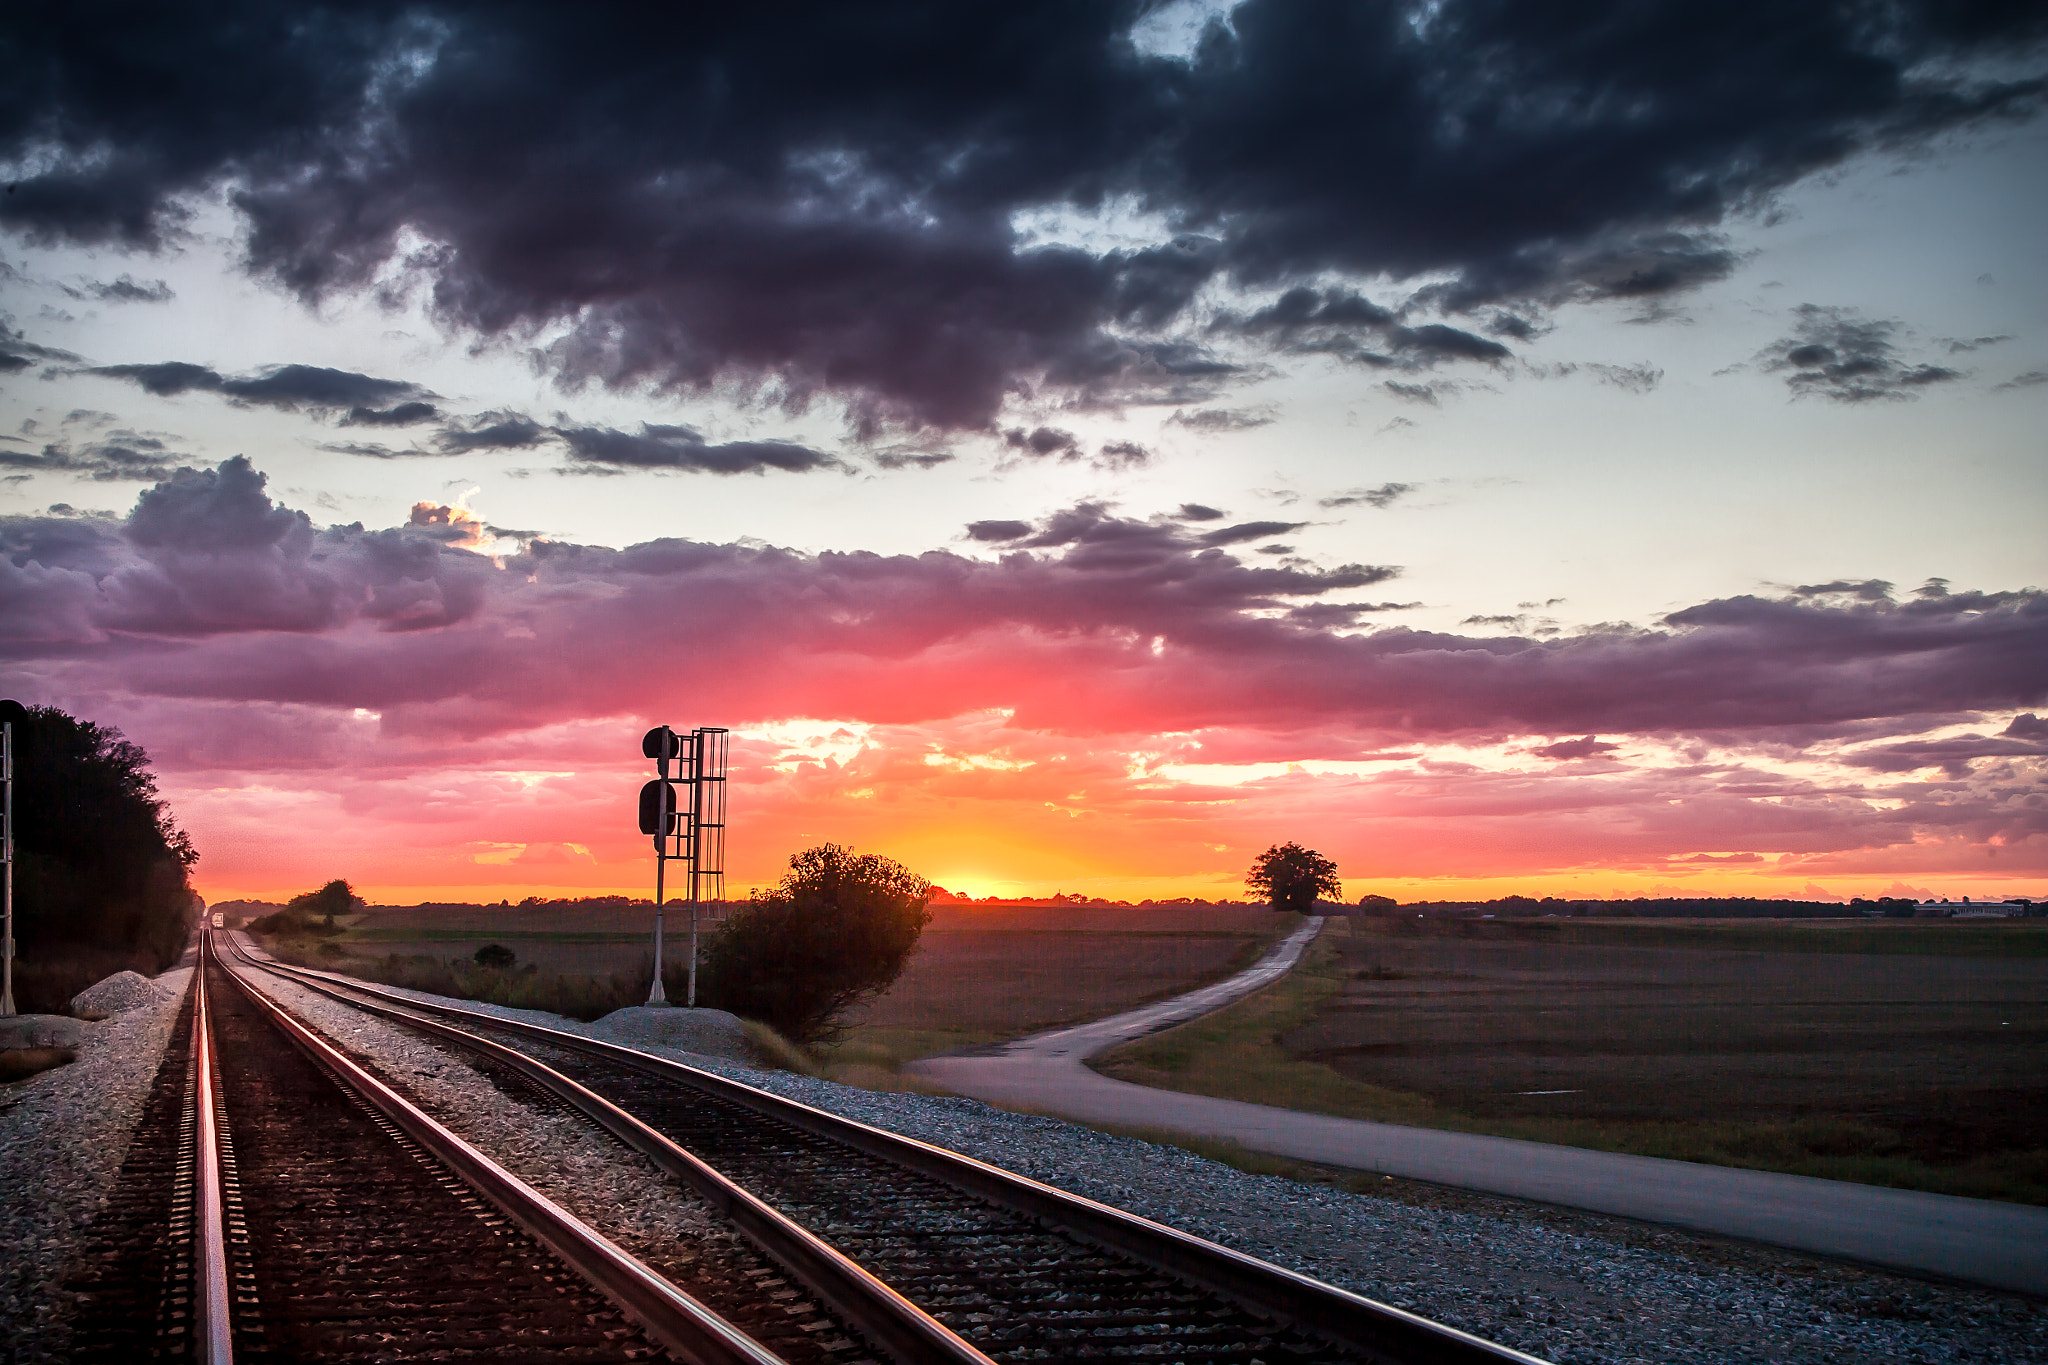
(119, 993)
(1574, 1288)
(707, 1032)
(63, 1136)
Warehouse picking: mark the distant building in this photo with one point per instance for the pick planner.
(1969, 909)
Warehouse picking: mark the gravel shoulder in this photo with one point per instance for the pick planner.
(1567, 1286)
(63, 1135)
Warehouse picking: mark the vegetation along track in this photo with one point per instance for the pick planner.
(1019, 1269)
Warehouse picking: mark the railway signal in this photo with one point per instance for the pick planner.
(685, 817)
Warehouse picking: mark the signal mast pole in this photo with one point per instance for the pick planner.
(691, 832)
(7, 854)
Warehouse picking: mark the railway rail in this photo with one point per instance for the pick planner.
(281, 1203)
(931, 1254)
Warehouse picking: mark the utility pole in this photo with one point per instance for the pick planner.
(11, 708)
(691, 831)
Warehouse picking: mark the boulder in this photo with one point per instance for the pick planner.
(121, 991)
(714, 1033)
(38, 1030)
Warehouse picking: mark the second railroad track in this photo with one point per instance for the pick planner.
(919, 1253)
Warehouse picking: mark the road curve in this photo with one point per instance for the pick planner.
(1979, 1240)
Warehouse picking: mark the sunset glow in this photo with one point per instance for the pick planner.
(1074, 494)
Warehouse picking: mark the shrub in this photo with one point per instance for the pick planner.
(836, 930)
(496, 956)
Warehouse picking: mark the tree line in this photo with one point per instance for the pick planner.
(102, 872)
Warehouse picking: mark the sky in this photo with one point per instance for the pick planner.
(1584, 449)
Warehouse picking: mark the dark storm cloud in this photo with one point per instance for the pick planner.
(126, 289)
(997, 532)
(1057, 443)
(1386, 495)
(289, 387)
(17, 352)
(1043, 442)
(1220, 419)
(1247, 531)
(120, 455)
(1953, 755)
(1863, 590)
(1834, 353)
(818, 199)
(1648, 266)
(1342, 323)
(402, 415)
(1337, 615)
(491, 431)
(1567, 749)
(1641, 378)
(910, 457)
(684, 448)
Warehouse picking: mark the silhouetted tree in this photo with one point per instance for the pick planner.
(836, 930)
(1291, 877)
(310, 912)
(100, 863)
(335, 898)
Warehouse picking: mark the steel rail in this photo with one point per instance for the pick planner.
(215, 1343)
(682, 1324)
(1376, 1330)
(906, 1332)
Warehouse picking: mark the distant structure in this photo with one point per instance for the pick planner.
(1969, 909)
(685, 815)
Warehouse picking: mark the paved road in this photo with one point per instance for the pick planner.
(1982, 1241)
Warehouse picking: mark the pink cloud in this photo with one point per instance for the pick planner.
(392, 677)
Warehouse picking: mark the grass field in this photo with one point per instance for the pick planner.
(1919, 938)
(981, 976)
(978, 975)
(1744, 1045)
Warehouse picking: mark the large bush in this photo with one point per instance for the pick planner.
(100, 880)
(310, 912)
(834, 932)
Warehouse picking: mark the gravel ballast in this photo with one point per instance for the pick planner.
(63, 1134)
(117, 994)
(1566, 1286)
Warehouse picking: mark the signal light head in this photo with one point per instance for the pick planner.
(658, 808)
(660, 743)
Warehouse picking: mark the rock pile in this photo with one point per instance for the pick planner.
(119, 992)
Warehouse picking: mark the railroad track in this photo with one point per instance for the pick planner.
(928, 1254)
(282, 1204)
